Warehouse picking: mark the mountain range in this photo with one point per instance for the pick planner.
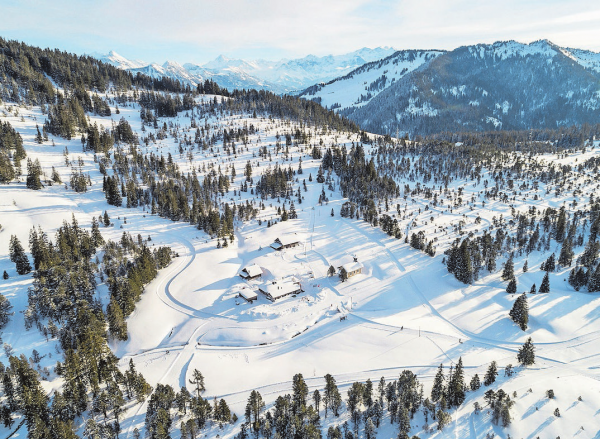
(283, 76)
(501, 86)
(505, 85)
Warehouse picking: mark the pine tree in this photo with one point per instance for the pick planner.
(106, 219)
(526, 355)
(520, 312)
(292, 214)
(491, 374)
(594, 281)
(512, 286)
(475, 384)
(343, 274)
(18, 256)
(545, 286)
(456, 386)
(464, 268)
(34, 170)
(254, 407)
(566, 253)
(438, 390)
(5, 311)
(198, 381)
(509, 270)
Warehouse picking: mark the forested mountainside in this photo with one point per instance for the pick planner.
(500, 86)
(361, 85)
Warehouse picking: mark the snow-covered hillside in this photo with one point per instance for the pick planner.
(403, 311)
(506, 85)
(358, 87)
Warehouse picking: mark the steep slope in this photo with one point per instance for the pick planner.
(505, 85)
(358, 87)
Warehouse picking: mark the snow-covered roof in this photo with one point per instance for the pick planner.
(252, 270)
(280, 289)
(288, 239)
(352, 266)
(248, 294)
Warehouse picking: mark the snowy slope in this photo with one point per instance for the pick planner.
(359, 86)
(506, 85)
(403, 311)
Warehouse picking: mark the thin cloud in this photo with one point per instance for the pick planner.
(197, 31)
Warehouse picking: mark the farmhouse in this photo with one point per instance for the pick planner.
(352, 268)
(285, 242)
(277, 290)
(248, 295)
(251, 272)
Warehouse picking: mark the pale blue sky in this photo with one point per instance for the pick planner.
(199, 30)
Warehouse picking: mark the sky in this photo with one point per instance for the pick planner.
(198, 31)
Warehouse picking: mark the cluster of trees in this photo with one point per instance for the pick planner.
(62, 305)
(293, 415)
(193, 411)
(11, 152)
(128, 266)
(285, 107)
(164, 104)
(28, 73)
(165, 190)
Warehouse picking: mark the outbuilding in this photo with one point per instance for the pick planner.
(248, 295)
(285, 242)
(251, 272)
(352, 268)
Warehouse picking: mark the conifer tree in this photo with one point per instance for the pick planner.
(520, 312)
(5, 311)
(475, 384)
(198, 381)
(526, 355)
(594, 281)
(545, 286)
(18, 256)
(254, 407)
(491, 374)
(511, 288)
(566, 253)
(509, 270)
(438, 390)
(456, 386)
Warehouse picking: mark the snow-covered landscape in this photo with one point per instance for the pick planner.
(367, 244)
(404, 311)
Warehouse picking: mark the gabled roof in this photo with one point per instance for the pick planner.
(352, 266)
(288, 239)
(248, 294)
(253, 270)
(280, 289)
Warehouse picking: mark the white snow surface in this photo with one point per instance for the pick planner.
(403, 311)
